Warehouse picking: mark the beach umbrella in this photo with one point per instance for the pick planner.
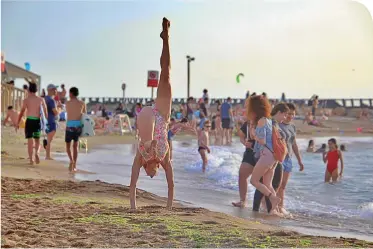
(27, 66)
(238, 77)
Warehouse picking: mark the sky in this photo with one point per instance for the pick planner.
(299, 47)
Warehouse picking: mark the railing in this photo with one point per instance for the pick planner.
(11, 96)
(327, 103)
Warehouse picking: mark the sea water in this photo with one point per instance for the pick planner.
(344, 208)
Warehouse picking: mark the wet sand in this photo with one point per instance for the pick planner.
(43, 205)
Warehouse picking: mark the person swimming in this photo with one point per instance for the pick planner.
(322, 149)
(331, 159)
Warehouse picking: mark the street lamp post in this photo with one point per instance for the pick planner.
(124, 92)
(189, 58)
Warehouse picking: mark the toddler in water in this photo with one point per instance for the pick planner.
(331, 159)
(203, 143)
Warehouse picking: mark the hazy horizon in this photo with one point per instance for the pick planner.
(297, 47)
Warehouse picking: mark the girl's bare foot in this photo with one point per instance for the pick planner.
(37, 159)
(240, 204)
(285, 212)
(49, 158)
(274, 201)
(31, 162)
(276, 213)
(74, 168)
(165, 27)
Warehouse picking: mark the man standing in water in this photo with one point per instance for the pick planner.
(226, 114)
(74, 109)
(33, 104)
(52, 113)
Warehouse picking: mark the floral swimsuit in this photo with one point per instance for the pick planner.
(160, 134)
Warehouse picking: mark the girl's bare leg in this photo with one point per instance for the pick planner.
(261, 169)
(327, 176)
(281, 190)
(244, 173)
(335, 175)
(170, 180)
(134, 178)
(164, 92)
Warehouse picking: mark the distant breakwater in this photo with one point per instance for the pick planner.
(325, 103)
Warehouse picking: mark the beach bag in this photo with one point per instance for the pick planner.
(280, 149)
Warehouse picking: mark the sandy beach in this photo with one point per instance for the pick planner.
(43, 205)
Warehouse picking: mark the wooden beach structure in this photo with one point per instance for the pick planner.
(11, 95)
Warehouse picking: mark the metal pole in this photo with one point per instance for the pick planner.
(123, 96)
(188, 83)
(152, 92)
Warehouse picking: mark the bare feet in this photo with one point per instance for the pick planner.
(240, 204)
(285, 213)
(49, 158)
(37, 159)
(165, 27)
(71, 166)
(274, 201)
(31, 162)
(276, 213)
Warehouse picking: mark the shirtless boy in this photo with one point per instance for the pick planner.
(74, 109)
(203, 143)
(32, 104)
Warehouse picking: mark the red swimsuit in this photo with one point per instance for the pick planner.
(332, 158)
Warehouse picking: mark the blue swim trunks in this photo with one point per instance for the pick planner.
(51, 126)
(287, 164)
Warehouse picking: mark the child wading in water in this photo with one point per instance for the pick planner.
(203, 143)
(331, 159)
